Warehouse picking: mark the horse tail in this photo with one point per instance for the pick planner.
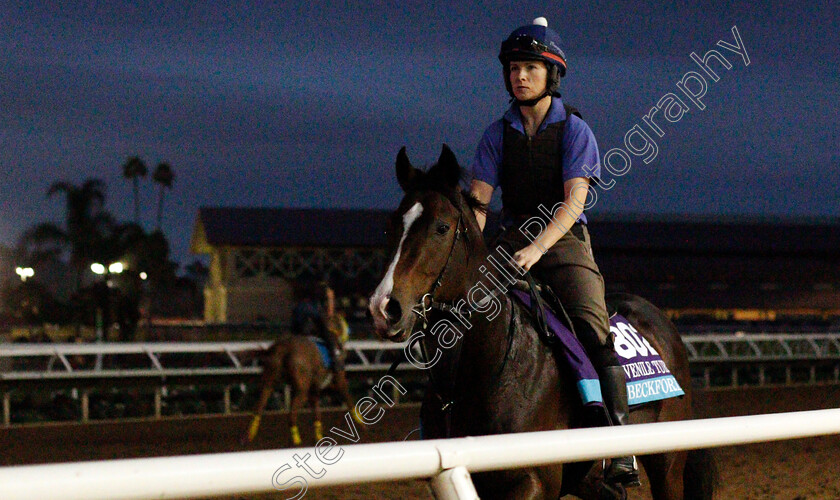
(700, 478)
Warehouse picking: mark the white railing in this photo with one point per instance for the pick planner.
(369, 354)
(361, 355)
(445, 461)
(761, 359)
(762, 346)
(81, 366)
(730, 360)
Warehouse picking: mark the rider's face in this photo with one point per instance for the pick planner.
(528, 79)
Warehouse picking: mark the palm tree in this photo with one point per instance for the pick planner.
(87, 227)
(134, 168)
(163, 176)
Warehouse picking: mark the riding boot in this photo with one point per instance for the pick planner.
(622, 470)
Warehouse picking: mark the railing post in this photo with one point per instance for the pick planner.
(7, 408)
(85, 407)
(227, 400)
(157, 402)
(454, 484)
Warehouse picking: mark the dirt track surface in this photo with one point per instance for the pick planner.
(795, 469)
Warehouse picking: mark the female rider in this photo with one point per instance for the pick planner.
(542, 156)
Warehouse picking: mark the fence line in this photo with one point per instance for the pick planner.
(253, 472)
(728, 360)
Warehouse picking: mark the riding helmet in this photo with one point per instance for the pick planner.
(535, 42)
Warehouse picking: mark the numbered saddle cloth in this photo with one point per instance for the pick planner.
(648, 379)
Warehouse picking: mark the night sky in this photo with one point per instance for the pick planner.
(305, 104)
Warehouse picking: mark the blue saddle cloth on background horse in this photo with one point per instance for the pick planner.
(324, 351)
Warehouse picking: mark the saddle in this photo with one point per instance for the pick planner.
(648, 378)
(544, 299)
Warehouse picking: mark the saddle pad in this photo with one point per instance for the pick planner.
(648, 379)
(324, 351)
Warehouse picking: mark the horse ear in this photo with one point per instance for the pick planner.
(447, 168)
(406, 174)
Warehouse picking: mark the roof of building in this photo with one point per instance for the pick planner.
(288, 227)
(302, 227)
(727, 236)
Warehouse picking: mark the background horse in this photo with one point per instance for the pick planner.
(489, 371)
(296, 361)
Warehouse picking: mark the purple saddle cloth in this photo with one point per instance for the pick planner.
(648, 379)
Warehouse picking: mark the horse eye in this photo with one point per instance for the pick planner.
(442, 228)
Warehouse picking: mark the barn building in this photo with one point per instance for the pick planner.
(741, 268)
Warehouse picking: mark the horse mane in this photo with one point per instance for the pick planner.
(439, 184)
(474, 203)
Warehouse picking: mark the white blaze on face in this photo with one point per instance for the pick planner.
(379, 299)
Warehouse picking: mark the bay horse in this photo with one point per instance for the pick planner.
(495, 375)
(295, 360)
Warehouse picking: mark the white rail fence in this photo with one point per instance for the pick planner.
(446, 462)
(764, 358)
(83, 367)
(731, 360)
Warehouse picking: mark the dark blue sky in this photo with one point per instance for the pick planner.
(307, 103)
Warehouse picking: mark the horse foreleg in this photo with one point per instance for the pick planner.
(343, 389)
(298, 398)
(269, 377)
(315, 401)
(665, 474)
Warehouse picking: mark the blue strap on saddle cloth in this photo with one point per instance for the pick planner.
(648, 379)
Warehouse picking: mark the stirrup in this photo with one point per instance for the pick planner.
(628, 477)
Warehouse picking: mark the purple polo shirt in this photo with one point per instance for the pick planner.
(579, 146)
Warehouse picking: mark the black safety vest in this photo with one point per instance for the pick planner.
(532, 168)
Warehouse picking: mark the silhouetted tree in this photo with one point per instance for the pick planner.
(87, 227)
(163, 177)
(133, 169)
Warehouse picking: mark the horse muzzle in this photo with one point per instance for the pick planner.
(388, 319)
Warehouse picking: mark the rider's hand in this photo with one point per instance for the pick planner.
(528, 256)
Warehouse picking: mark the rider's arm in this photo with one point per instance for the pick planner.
(564, 218)
(484, 192)
(485, 169)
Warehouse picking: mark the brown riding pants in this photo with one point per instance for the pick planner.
(569, 268)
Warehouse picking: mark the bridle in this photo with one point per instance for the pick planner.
(427, 302)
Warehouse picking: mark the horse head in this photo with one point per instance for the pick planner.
(432, 236)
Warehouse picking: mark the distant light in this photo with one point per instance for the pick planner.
(116, 268)
(25, 272)
(143, 276)
(97, 268)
